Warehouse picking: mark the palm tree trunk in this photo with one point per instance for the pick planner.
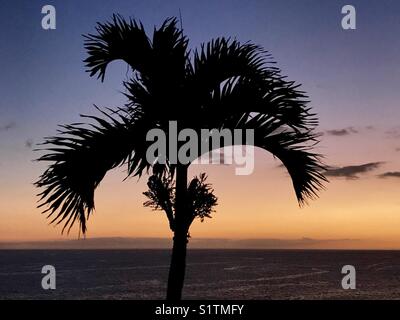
(177, 268)
(178, 259)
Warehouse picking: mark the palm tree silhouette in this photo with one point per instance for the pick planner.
(223, 84)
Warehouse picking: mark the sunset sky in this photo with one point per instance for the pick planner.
(351, 76)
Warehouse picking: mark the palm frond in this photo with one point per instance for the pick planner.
(118, 39)
(158, 89)
(79, 157)
(170, 51)
(294, 150)
(230, 78)
(240, 86)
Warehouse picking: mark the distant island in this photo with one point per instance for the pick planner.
(203, 243)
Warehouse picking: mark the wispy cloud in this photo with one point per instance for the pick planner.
(393, 132)
(390, 174)
(29, 143)
(341, 132)
(353, 172)
(8, 126)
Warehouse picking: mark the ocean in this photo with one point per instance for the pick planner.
(211, 274)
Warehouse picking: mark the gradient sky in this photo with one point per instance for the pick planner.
(352, 77)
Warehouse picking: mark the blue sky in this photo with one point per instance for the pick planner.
(351, 76)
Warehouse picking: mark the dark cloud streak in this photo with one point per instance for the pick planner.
(341, 132)
(390, 174)
(352, 172)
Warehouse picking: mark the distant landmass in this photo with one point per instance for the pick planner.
(200, 243)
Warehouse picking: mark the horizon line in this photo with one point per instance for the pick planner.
(202, 243)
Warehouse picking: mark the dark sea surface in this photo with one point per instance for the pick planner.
(211, 274)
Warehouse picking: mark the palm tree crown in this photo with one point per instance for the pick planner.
(223, 84)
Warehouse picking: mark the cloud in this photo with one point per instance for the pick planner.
(390, 174)
(393, 132)
(352, 172)
(8, 126)
(341, 132)
(397, 149)
(29, 143)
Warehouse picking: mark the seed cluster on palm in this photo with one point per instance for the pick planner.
(200, 199)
